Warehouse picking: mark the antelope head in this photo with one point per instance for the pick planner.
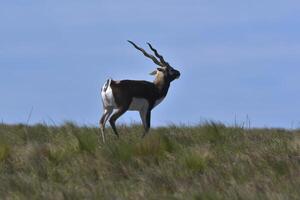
(164, 69)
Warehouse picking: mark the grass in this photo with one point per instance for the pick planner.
(209, 161)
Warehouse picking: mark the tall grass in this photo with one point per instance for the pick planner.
(209, 161)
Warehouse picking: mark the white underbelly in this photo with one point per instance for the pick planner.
(138, 104)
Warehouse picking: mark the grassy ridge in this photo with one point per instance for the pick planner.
(208, 161)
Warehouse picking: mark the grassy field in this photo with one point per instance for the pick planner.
(208, 161)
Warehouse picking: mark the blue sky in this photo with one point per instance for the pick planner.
(237, 59)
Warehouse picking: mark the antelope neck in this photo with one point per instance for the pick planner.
(162, 85)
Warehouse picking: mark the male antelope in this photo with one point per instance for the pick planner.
(141, 96)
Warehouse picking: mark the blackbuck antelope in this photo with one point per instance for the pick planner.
(137, 95)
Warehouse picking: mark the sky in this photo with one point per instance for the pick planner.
(239, 60)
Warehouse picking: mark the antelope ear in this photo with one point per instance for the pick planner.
(153, 73)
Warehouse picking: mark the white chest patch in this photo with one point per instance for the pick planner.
(139, 104)
(158, 101)
(108, 97)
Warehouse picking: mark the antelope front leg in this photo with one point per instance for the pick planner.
(146, 117)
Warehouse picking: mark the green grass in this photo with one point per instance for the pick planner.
(209, 161)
